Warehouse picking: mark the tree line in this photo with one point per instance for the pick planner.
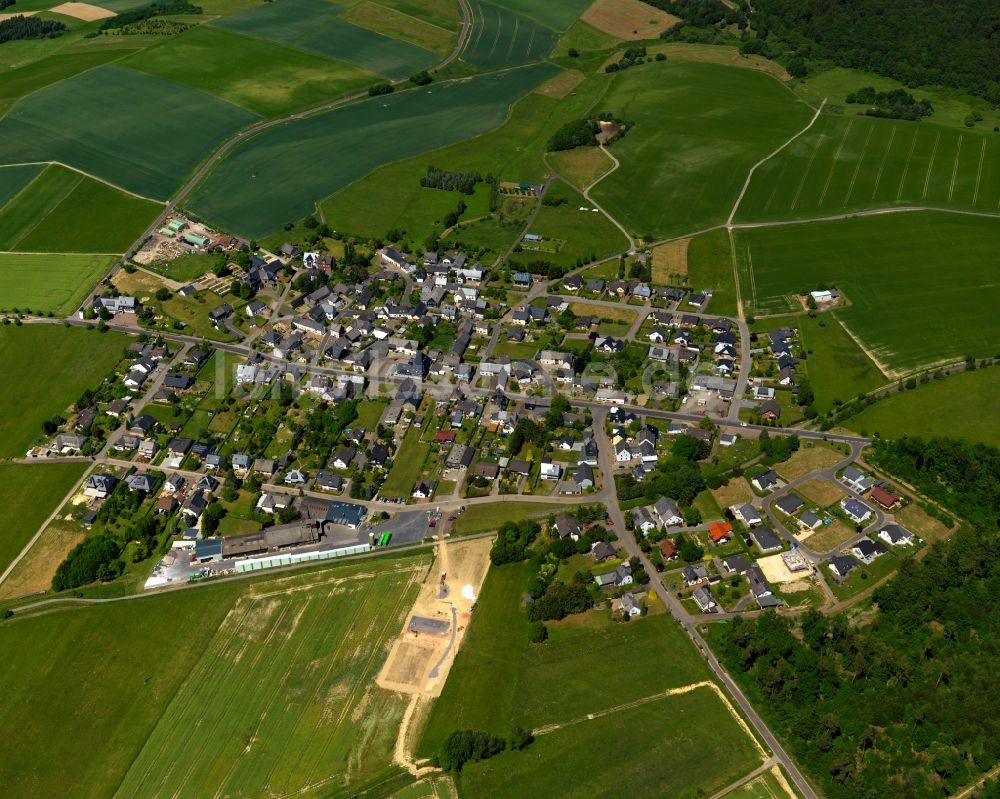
(893, 104)
(20, 27)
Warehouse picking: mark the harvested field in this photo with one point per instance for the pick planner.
(84, 11)
(35, 571)
(561, 85)
(736, 491)
(821, 492)
(829, 537)
(628, 19)
(670, 261)
(10, 14)
(808, 459)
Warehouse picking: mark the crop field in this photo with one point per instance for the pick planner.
(279, 175)
(890, 269)
(33, 203)
(400, 25)
(318, 27)
(138, 147)
(628, 19)
(28, 494)
(581, 166)
(503, 38)
(703, 126)
(44, 283)
(710, 266)
(443, 13)
(74, 360)
(262, 76)
(847, 163)
(14, 178)
(555, 14)
(837, 367)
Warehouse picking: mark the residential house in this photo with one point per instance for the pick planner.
(856, 480)
(766, 481)
(694, 574)
(766, 539)
(842, 565)
(720, 532)
(627, 605)
(789, 504)
(99, 486)
(704, 599)
(666, 510)
(550, 470)
(602, 551)
(896, 535)
(884, 497)
(567, 526)
(855, 509)
(867, 550)
(747, 514)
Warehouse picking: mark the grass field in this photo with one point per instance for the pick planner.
(485, 516)
(33, 203)
(318, 27)
(44, 283)
(624, 315)
(503, 38)
(584, 38)
(889, 268)
(555, 14)
(710, 266)
(581, 166)
(703, 126)
(13, 179)
(33, 573)
(443, 13)
(765, 786)
(279, 175)
(807, 459)
(847, 163)
(397, 24)
(406, 466)
(73, 360)
(272, 689)
(960, 406)
(28, 494)
(137, 146)
(17, 83)
(262, 76)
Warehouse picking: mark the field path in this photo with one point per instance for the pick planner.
(615, 163)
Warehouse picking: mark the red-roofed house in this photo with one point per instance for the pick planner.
(883, 497)
(720, 532)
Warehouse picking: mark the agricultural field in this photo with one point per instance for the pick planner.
(503, 38)
(770, 785)
(584, 38)
(704, 126)
(34, 572)
(49, 283)
(74, 360)
(443, 13)
(889, 268)
(850, 163)
(13, 179)
(137, 147)
(710, 266)
(397, 24)
(262, 76)
(321, 29)
(581, 166)
(263, 698)
(960, 406)
(628, 19)
(279, 175)
(555, 14)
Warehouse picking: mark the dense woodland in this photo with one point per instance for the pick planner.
(902, 707)
(20, 27)
(135, 15)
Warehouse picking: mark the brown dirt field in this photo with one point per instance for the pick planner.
(670, 259)
(736, 491)
(35, 571)
(829, 537)
(84, 11)
(628, 19)
(821, 492)
(581, 166)
(17, 14)
(611, 314)
(562, 84)
(914, 519)
(807, 459)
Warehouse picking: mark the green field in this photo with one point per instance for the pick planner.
(134, 145)
(555, 14)
(407, 465)
(262, 76)
(764, 786)
(49, 283)
(485, 516)
(28, 494)
(56, 213)
(503, 38)
(317, 27)
(73, 361)
(255, 686)
(848, 163)
(14, 178)
(396, 24)
(710, 266)
(890, 269)
(960, 406)
(279, 175)
(698, 128)
(443, 13)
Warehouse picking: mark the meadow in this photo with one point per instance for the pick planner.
(696, 130)
(400, 25)
(485, 516)
(262, 76)
(261, 698)
(138, 147)
(848, 163)
(443, 13)
(502, 38)
(319, 28)
(960, 406)
(49, 283)
(892, 270)
(407, 466)
(74, 360)
(280, 174)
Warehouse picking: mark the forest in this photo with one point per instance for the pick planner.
(21, 27)
(899, 707)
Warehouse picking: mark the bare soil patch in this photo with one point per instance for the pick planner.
(628, 19)
(17, 14)
(84, 11)
(830, 536)
(670, 261)
(35, 571)
(776, 571)
(603, 312)
(821, 492)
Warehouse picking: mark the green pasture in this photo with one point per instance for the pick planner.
(919, 285)
(584, 38)
(318, 27)
(279, 175)
(443, 13)
(262, 76)
(28, 494)
(710, 266)
(13, 179)
(502, 38)
(400, 25)
(111, 122)
(697, 130)
(837, 367)
(485, 516)
(960, 406)
(407, 465)
(73, 360)
(555, 14)
(44, 283)
(187, 267)
(849, 163)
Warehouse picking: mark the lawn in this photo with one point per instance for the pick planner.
(960, 406)
(502, 38)
(369, 412)
(44, 283)
(864, 577)
(889, 268)
(193, 312)
(73, 361)
(280, 175)
(515, 350)
(186, 268)
(267, 684)
(407, 465)
(850, 162)
(485, 516)
(28, 494)
(703, 126)
(710, 266)
(135, 145)
(319, 28)
(262, 76)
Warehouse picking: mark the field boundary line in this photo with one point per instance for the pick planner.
(47, 211)
(62, 254)
(900, 209)
(930, 166)
(954, 168)
(805, 175)
(31, 182)
(890, 374)
(762, 769)
(885, 157)
(746, 183)
(87, 175)
(833, 163)
(979, 173)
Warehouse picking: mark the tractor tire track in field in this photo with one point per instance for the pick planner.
(979, 173)
(857, 166)
(885, 158)
(906, 166)
(930, 166)
(805, 175)
(954, 168)
(834, 162)
(513, 38)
